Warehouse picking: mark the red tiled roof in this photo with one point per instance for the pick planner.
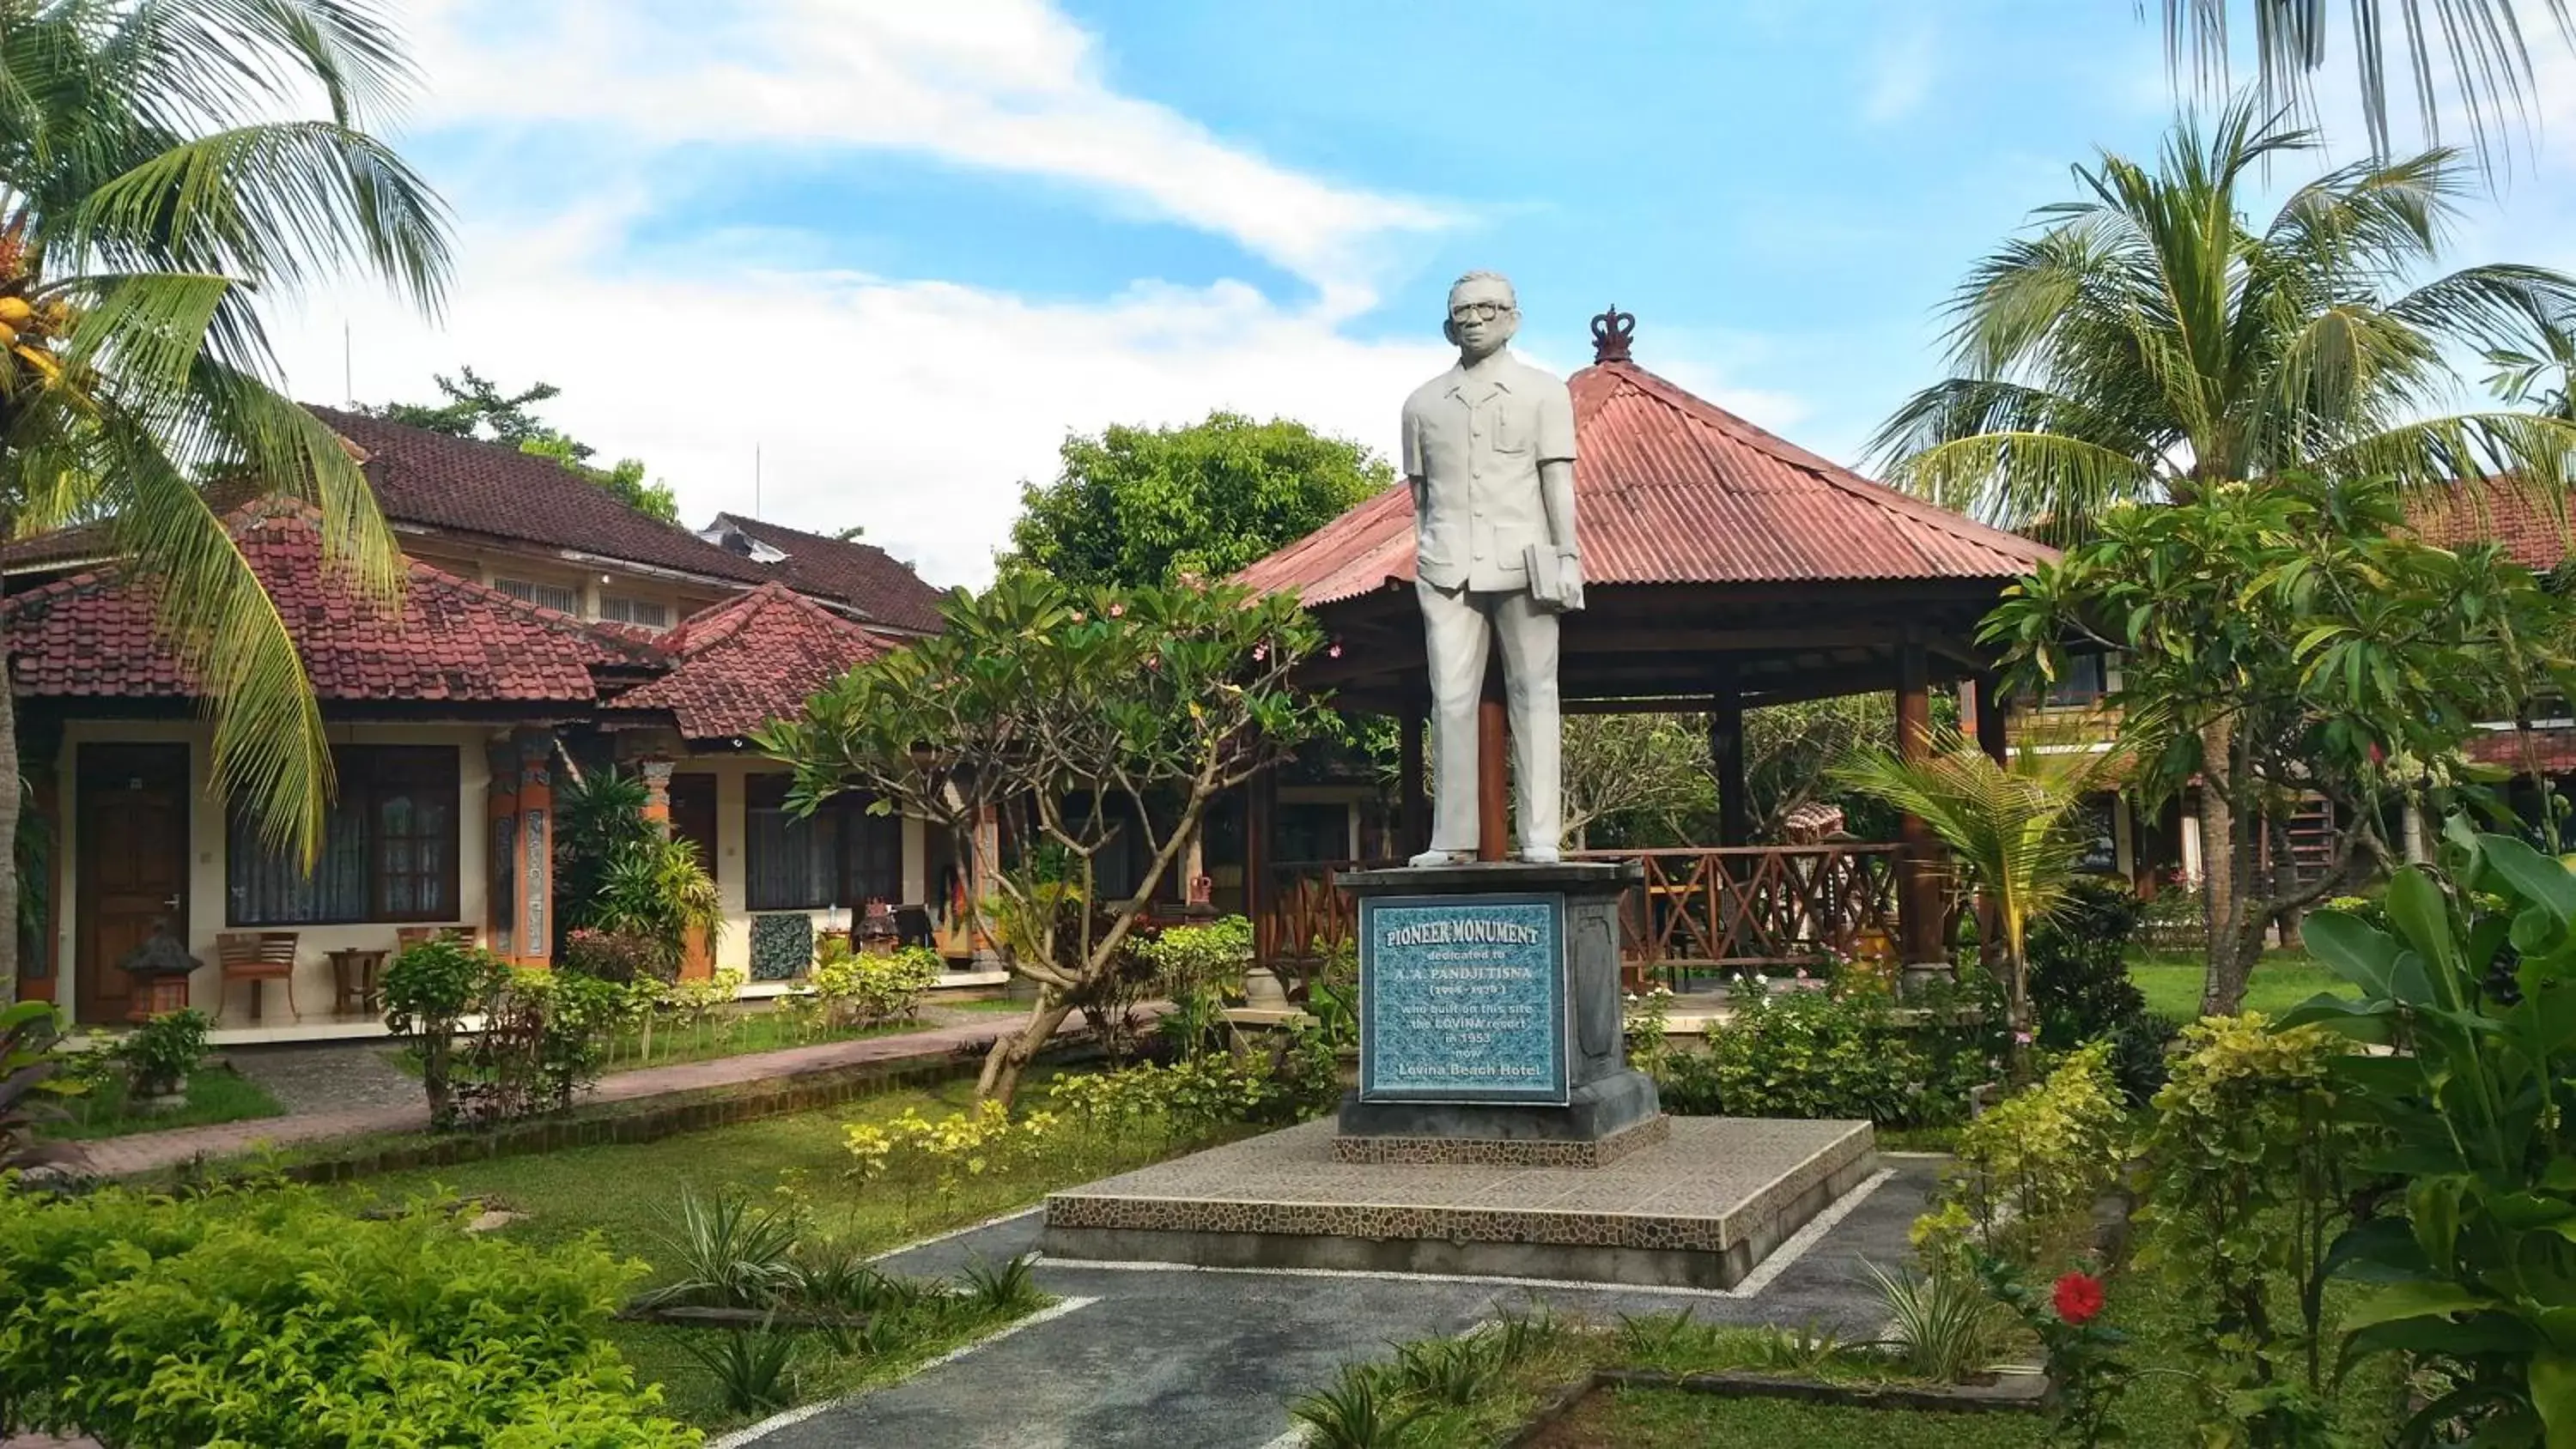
(747, 661)
(1673, 489)
(2553, 749)
(861, 575)
(96, 634)
(495, 490)
(2532, 526)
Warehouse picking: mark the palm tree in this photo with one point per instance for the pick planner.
(2148, 343)
(2473, 51)
(148, 198)
(2013, 830)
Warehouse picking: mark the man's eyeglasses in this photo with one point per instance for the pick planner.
(1478, 311)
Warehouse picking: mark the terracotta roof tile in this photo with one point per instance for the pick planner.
(494, 489)
(95, 633)
(2533, 527)
(861, 575)
(747, 661)
(1674, 489)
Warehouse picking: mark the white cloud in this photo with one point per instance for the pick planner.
(1004, 85)
(1900, 72)
(914, 408)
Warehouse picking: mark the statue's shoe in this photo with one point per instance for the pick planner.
(1442, 857)
(1540, 857)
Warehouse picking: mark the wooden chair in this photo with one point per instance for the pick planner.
(259, 957)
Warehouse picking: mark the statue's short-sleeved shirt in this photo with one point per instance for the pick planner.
(1477, 442)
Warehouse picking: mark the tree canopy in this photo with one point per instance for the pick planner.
(476, 407)
(1150, 506)
(2290, 639)
(1085, 721)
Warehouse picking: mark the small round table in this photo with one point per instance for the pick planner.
(354, 970)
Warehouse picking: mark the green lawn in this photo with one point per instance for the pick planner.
(215, 1094)
(2282, 979)
(2157, 1413)
(630, 1196)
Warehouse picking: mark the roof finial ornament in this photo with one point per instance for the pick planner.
(1610, 333)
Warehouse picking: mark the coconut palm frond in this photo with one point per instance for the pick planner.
(2465, 61)
(2150, 320)
(154, 196)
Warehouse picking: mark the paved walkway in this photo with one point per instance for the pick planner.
(1138, 1358)
(152, 1151)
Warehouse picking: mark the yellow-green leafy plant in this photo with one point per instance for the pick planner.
(2250, 1166)
(2025, 1176)
(853, 990)
(945, 1152)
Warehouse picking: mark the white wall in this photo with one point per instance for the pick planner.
(207, 897)
(732, 863)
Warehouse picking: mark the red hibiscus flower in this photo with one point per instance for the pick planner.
(2079, 1297)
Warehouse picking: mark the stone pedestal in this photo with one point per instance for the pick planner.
(1491, 1021)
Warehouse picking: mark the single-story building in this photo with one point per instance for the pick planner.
(545, 628)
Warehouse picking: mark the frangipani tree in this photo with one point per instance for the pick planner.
(1079, 722)
(2014, 829)
(150, 197)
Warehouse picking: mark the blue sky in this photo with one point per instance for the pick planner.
(898, 249)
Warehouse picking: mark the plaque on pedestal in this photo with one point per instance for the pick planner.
(1462, 999)
(1490, 1020)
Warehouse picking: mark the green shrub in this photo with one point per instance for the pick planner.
(1197, 968)
(429, 990)
(858, 989)
(159, 1054)
(1825, 1054)
(624, 957)
(2024, 1177)
(2245, 1188)
(2079, 968)
(268, 1319)
(545, 1038)
(2473, 1268)
(31, 1084)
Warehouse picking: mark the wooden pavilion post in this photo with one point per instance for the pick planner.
(1413, 802)
(1993, 719)
(1260, 817)
(1918, 884)
(1493, 778)
(1726, 756)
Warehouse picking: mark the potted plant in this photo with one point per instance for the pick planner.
(159, 1055)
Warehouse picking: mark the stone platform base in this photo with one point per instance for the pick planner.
(1697, 1210)
(1502, 1152)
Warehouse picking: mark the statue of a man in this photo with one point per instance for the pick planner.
(1489, 452)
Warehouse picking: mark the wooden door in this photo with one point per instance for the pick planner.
(133, 865)
(693, 819)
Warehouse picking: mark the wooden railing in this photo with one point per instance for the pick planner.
(1704, 907)
(1754, 905)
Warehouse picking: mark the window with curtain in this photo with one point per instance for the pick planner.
(840, 855)
(388, 852)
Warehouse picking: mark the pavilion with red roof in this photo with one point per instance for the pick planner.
(1724, 568)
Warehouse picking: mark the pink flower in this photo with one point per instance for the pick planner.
(1334, 652)
(1118, 611)
(1260, 652)
(2021, 1038)
(1802, 973)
